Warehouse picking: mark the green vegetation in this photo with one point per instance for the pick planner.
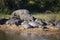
(4, 16)
(46, 16)
(39, 8)
(38, 15)
(31, 5)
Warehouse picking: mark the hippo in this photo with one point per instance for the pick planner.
(23, 14)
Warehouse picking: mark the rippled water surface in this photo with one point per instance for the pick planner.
(29, 36)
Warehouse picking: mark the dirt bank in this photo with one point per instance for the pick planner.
(20, 29)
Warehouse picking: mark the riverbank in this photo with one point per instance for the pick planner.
(20, 30)
(37, 15)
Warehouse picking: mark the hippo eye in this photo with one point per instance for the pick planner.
(15, 14)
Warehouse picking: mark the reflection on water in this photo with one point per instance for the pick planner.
(2, 35)
(27, 36)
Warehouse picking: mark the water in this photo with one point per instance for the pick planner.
(27, 36)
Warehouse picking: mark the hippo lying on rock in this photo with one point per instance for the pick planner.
(23, 14)
(23, 18)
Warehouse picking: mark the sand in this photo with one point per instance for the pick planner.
(20, 29)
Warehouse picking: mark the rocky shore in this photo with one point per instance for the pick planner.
(20, 30)
(22, 22)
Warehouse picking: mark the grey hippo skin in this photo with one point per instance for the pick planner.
(23, 14)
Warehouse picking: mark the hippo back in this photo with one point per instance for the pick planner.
(23, 14)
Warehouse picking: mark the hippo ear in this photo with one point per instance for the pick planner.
(34, 18)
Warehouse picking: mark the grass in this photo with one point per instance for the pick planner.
(37, 15)
(46, 16)
(4, 16)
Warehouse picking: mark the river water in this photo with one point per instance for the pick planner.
(30, 36)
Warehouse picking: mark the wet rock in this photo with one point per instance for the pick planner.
(3, 21)
(14, 20)
(41, 23)
(51, 21)
(33, 24)
(25, 25)
(58, 24)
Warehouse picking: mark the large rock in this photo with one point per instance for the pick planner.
(57, 24)
(25, 25)
(51, 21)
(14, 20)
(23, 14)
(33, 24)
(40, 22)
(3, 21)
